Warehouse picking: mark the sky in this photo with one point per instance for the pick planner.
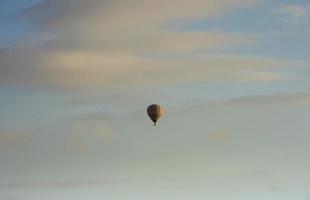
(77, 76)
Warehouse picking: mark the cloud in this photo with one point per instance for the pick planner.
(116, 99)
(102, 44)
(295, 14)
(89, 132)
(300, 99)
(134, 14)
(10, 137)
(92, 127)
(51, 183)
(220, 135)
(115, 44)
(87, 69)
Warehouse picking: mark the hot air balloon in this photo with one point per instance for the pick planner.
(154, 111)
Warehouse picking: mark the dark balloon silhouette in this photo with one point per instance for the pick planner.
(154, 111)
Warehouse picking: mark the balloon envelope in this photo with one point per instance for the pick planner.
(154, 111)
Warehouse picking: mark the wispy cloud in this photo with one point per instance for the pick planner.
(295, 14)
(54, 184)
(299, 99)
(135, 14)
(104, 43)
(11, 137)
(86, 69)
(220, 135)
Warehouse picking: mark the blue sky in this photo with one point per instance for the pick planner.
(76, 78)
